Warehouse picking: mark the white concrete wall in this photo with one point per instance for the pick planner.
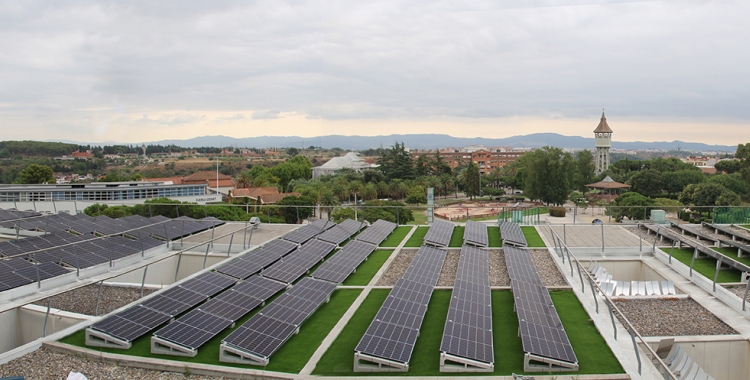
(9, 339)
(162, 273)
(723, 359)
(26, 324)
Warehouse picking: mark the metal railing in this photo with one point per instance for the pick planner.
(563, 250)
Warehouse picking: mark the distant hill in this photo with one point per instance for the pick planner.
(432, 141)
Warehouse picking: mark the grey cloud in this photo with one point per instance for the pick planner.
(362, 60)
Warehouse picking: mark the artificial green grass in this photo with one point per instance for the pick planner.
(594, 356)
(425, 361)
(417, 238)
(704, 266)
(532, 237)
(369, 268)
(290, 358)
(732, 253)
(495, 239)
(395, 238)
(457, 239)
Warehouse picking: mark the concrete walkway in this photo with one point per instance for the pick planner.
(334, 333)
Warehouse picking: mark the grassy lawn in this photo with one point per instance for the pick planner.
(457, 239)
(420, 218)
(593, 354)
(291, 357)
(495, 239)
(706, 266)
(367, 269)
(395, 238)
(532, 237)
(417, 238)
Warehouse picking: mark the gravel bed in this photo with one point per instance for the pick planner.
(739, 231)
(83, 300)
(672, 317)
(450, 266)
(498, 270)
(44, 364)
(547, 269)
(710, 232)
(398, 267)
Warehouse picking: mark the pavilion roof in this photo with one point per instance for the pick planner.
(607, 183)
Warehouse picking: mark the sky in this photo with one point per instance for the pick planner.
(141, 71)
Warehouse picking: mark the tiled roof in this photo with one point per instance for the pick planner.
(205, 175)
(174, 180)
(603, 127)
(254, 192)
(273, 198)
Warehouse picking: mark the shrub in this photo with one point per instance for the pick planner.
(685, 216)
(557, 211)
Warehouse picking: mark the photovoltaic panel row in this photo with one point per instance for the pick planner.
(254, 261)
(377, 232)
(394, 331)
(440, 233)
(339, 234)
(12, 214)
(264, 333)
(468, 327)
(352, 226)
(476, 234)
(308, 231)
(202, 324)
(166, 305)
(299, 262)
(512, 234)
(542, 333)
(344, 262)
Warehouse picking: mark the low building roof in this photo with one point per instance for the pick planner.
(607, 183)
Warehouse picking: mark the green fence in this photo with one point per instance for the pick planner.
(731, 215)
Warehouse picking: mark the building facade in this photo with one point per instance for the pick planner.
(486, 160)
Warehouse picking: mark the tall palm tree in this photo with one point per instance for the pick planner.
(369, 192)
(328, 200)
(244, 181)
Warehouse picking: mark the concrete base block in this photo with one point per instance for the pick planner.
(367, 363)
(99, 339)
(165, 347)
(451, 363)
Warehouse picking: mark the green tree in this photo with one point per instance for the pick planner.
(472, 181)
(674, 182)
(632, 205)
(549, 175)
(646, 182)
(732, 182)
(416, 195)
(35, 174)
(303, 210)
(584, 170)
(728, 166)
(397, 163)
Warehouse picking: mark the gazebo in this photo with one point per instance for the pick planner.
(609, 190)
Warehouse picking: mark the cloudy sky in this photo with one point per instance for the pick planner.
(145, 71)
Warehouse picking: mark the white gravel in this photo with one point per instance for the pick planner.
(547, 269)
(44, 364)
(398, 267)
(83, 300)
(672, 317)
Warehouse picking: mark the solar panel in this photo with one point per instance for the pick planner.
(542, 332)
(194, 329)
(174, 300)
(304, 233)
(261, 335)
(440, 233)
(335, 235)
(377, 232)
(208, 284)
(131, 323)
(388, 341)
(468, 327)
(476, 234)
(352, 226)
(259, 287)
(512, 234)
(231, 305)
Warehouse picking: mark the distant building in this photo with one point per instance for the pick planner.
(206, 177)
(260, 195)
(351, 160)
(706, 164)
(83, 155)
(486, 160)
(603, 142)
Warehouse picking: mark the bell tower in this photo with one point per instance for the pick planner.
(603, 135)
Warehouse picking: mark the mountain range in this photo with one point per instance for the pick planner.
(432, 141)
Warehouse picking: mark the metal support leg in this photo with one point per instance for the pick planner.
(580, 277)
(46, 316)
(593, 293)
(98, 298)
(565, 234)
(716, 275)
(635, 347)
(670, 253)
(692, 261)
(602, 237)
(143, 282)
(250, 238)
(244, 237)
(212, 236)
(205, 257)
(569, 261)
(747, 288)
(177, 270)
(611, 315)
(230, 244)
(182, 234)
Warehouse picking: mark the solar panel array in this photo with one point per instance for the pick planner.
(476, 234)
(13, 214)
(542, 332)
(197, 327)
(512, 234)
(377, 232)
(341, 232)
(440, 233)
(393, 332)
(138, 320)
(468, 327)
(344, 262)
(264, 333)
(17, 272)
(295, 265)
(252, 262)
(308, 231)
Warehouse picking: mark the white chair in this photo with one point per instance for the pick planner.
(678, 362)
(655, 288)
(599, 273)
(604, 279)
(623, 289)
(667, 288)
(673, 355)
(609, 288)
(691, 374)
(683, 367)
(642, 288)
(649, 288)
(593, 266)
(702, 375)
(634, 288)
